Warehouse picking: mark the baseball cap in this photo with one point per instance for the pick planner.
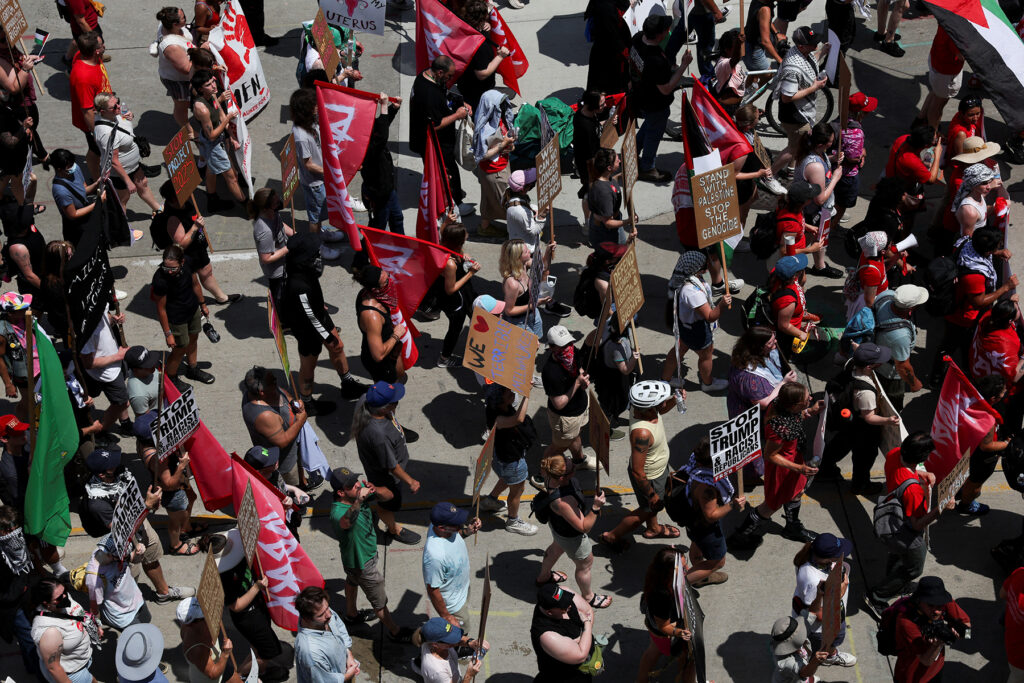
(438, 630)
(830, 545)
(861, 102)
(910, 296)
(382, 394)
(188, 610)
(489, 304)
(553, 596)
(788, 266)
(805, 35)
(447, 514)
(261, 457)
(871, 354)
(654, 24)
(143, 425)
(343, 478)
(520, 179)
(559, 336)
(803, 191)
(103, 459)
(9, 424)
(139, 357)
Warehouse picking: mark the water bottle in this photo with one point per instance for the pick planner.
(124, 107)
(680, 401)
(211, 333)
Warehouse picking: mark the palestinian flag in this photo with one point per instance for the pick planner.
(990, 44)
(40, 40)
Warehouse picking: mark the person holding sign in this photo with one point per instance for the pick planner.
(212, 140)
(62, 632)
(604, 198)
(271, 234)
(565, 382)
(514, 434)
(177, 496)
(439, 653)
(446, 562)
(814, 167)
(795, 659)
(813, 563)
(112, 590)
(208, 660)
(669, 635)
(180, 309)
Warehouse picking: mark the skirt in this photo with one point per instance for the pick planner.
(492, 189)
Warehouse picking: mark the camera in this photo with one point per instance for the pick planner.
(455, 100)
(942, 630)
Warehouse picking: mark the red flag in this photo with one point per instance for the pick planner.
(718, 126)
(434, 192)
(350, 116)
(962, 419)
(282, 559)
(440, 32)
(994, 352)
(513, 67)
(333, 135)
(209, 461)
(415, 265)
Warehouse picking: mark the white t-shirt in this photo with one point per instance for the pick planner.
(124, 142)
(437, 670)
(809, 580)
(103, 343)
(692, 295)
(114, 590)
(164, 67)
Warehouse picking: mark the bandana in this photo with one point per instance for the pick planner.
(877, 239)
(704, 475)
(566, 356)
(687, 265)
(387, 295)
(974, 175)
(771, 370)
(789, 427)
(971, 260)
(98, 489)
(15, 552)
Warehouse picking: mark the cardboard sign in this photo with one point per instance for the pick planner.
(736, 442)
(609, 132)
(818, 447)
(181, 165)
(549, 174)
(210, 595)
(483, 467)
(175, 423)
(501, 352)
(693, 619)
(627, 287)
(844, 92)
(630, 170)
(832, 607)
(289, 170)
(129, 512)
(88, 281)
(365, 16)
(248, 523)
(952, 482)
(892, 435)
(13, 20)
(278, 333)
(323, 39)
(715, 205)
(761, 153)
(485, 602)
(600, 431)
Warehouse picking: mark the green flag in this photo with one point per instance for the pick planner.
(47, 513)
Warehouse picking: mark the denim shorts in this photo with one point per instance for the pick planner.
(511, 473)
(756, 59)
(711, 542)
(214, 153)
(83, 675)
(697, 336)
(316, 202)
(174, 501)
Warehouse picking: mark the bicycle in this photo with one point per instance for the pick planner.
(824, 103)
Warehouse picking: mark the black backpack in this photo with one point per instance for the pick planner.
(585, 298)
(940, 278)
(840, 388)
(764, 238)
(158, 231)
(1013, 464)
(677, 504)
(540, 506)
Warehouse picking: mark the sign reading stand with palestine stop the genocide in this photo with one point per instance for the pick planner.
(736, 442)
(715, 205)
(175, 423)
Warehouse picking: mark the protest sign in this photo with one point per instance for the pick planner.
(630, 171)
(485, 604)
(289, 170)
(181, 165)
(627, 287)
(637, 13)
(88, 281)
(365, 16)
(248, 524)
(761, 153)
(844, 93)
(26, 172)
(693, 619)
(818, 447)
(482, 469)
(892, 435)
(600, 431)
(323, 39)
(715, 205)
(278, 332)
(501, 352)
(736, 442)
(832, 607)
(129, 512)
(12, 18)
(234, 47)
(549, 174)
(175, 423)
(210, 595)
(952, 482)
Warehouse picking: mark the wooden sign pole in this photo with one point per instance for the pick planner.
(30, 364)
(725, 270)
(206, 233)
(551, 223)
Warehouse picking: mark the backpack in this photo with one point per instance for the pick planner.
(678, 506)
(91, 522)
(540, 506)
(940, 278)
(887, 626)
(852, 287)
(585, 298)
(890, 522)
(1013, 464)
(757, 309)
(764, 238)
(859, 330)
(158, 231)
(841, 388)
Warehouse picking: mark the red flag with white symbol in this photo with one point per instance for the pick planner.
(962, 419)
(209, 462)
(718, 126)
(513, 67)
(440, 32)
(334, 131)
(434, 192)
(283, 561)
(350, 115)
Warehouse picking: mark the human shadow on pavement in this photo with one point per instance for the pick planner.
(245, 319)
(509, 678)
(948, 534)
(624, 568)
(464, 432)
(552, 42)
(744, 654)
(513, 572)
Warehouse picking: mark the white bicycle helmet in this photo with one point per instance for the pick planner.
(649, 393)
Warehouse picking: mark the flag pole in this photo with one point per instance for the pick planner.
(21, 42)
(209, 242)
(30, 339)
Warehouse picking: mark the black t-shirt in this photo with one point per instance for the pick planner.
(14, 478)
(181, 298)
(651, 66)
(510, 443)
(471, 87)
(428, 104)
(237, 581)
(558, 382)
(378, 169)
(586, 140)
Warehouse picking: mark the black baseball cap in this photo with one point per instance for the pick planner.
(261, 457)
(343, 478)
(655, 24)
(805, 35)
(553, 596)
(871, 354)
(139, 357)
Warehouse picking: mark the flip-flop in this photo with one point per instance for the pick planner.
(616, 546)
(556, 577)
(600, 601)
(190, 549)
(38, 209)
(666, 532)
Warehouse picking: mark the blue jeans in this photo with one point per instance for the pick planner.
(388, 216)
(704, 26)
(649, 136)
(316, 202)
(23, 632)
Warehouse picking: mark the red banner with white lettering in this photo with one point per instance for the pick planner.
(282, 559)
(333, 134)
(721, 132)
(962, 419)
(434, 192)
(513, 67)
(209, 461)
(351, 115)
(440, 32)
(415, 265)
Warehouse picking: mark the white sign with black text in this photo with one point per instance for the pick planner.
(736, 442)
(176, 423)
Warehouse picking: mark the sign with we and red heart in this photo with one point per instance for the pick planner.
(501, 352)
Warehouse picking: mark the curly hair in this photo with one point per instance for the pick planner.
(750, 347)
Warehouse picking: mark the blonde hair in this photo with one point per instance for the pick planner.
(102, 100)
(510, 263)
(554, 466)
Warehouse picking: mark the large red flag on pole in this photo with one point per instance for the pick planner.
(333, 134)
(209, 461)
(718, 126)
(282, 559)
(351, 115)
(434, 192)
(962, 419)
(440, 32)
(515, 65)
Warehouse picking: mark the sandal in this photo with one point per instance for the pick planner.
(198, 529)
(556, 577)
(616, 546)
(600, 601)
(38, 209)
(190, 549)
(667, 531)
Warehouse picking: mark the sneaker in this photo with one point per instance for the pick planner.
(314, 480)
(617, 435)
(329, 253)
(179, 384)
(588, 462)
(880, 36)
(772, 185)
(716, 385)
(876, 604)
(152, 171)
(428, 315)
(492, 230)
(358, 205)
(537, 380)
(974, 508)
(654, 175)
(845, 219)
(406, 536)
(330, 234)
(537, 482)
(232, 298)
(841, 659)
(712, 579)
(319, 407)
(785, 173)
(403, 636)
(521, 527)
(120, 294)
(352, 389)
(175, 593)
(411, 435)
(831, 272)
(362, 616)
(126, 428)
(735, 287)
(893, 50)
(489, 503)
(464, 208)
(199, 375)
(796, 531)
(516, 4)
(557, 308)
(452, 361)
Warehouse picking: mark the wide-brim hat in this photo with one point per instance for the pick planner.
(976, 149)
(139, 650)
(232, 553)
(788, 635)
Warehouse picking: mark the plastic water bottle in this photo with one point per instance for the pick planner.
(680, 401)
(211, 333)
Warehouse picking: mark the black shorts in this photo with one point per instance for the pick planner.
(847, 190)
(395, 486)
(982, 466)
(90, 141)
(254, 624)
(116, 391)
(309, 340)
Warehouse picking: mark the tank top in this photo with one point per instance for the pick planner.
(386, 330)
(800, 172)
(549, 668)
(251, 411)
(754, 34)
(36, 246)
(980, 206)
(195, 675)
(657, 457)
(522, 300)
(211, 106)
(76, 650)
(164, 67)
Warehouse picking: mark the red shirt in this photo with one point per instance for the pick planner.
(967, 286)
(86, 81)
(873, 276)
(945, 57)
(994, 351)
(911, 644)
(791, 293)
(906, 163)
(1014, 635)
(791, 222)
(915, 503)
(498, 163)
(82, 8)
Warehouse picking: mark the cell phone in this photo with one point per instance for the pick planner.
(967, 633)
(296, 406)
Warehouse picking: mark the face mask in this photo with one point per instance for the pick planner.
(73, 169)
(64, 601)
